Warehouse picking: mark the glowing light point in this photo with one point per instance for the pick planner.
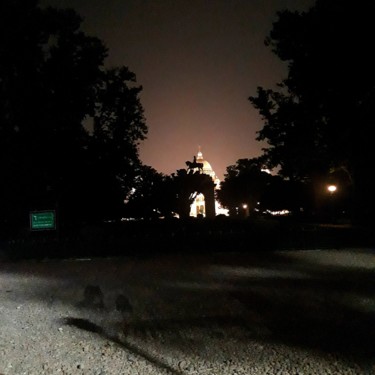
(332, 188)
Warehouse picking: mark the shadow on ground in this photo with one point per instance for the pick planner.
(278, 299)
(316, 301)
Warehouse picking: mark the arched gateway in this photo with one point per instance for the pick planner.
(199, 189)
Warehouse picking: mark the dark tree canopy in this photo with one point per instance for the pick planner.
(320, 119)
(154, 196)
(244, 183)
(52, 83)
(247, 182)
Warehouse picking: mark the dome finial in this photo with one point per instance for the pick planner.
(199, 155)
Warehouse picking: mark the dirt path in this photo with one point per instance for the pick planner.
(309, 312)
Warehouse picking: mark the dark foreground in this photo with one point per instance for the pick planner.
(145, 238)
(277, 312)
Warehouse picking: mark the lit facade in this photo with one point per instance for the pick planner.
(198, 207)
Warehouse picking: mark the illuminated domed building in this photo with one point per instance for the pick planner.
(198, 207)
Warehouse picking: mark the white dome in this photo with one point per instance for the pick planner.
(207, 169)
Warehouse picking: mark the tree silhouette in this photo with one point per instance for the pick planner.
(118, 127)
(244, 183)
(52, 79)
(153, 195)
(319, 120)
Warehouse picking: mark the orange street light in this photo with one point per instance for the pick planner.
(331, 188)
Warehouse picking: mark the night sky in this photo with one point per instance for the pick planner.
(198, 62)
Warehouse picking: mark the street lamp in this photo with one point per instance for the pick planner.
(332, 209)
(246, 209)
(331, 188)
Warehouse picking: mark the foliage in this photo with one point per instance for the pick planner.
(52, 79)
(153, 196)
(319, 120)
(247, 182)
(244, 183)
(156, 195)
(118, 127)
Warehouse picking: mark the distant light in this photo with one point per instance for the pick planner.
(244, 206)
(278, 213)
(332, 188)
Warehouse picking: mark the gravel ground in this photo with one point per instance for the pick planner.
(298, 313)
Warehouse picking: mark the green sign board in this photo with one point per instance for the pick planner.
(42, 220)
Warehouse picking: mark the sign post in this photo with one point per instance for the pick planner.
(43, 220)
